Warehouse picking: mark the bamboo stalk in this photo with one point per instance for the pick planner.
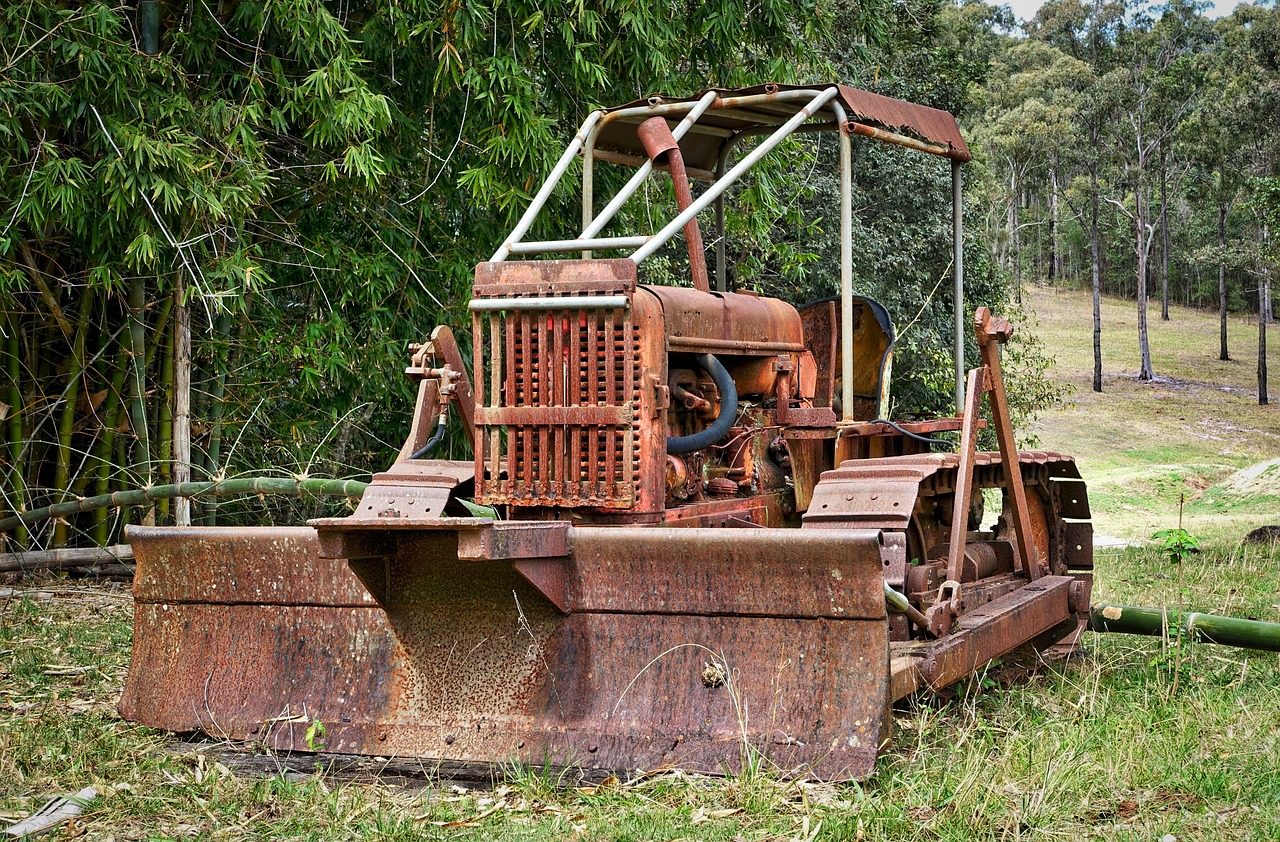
(106, 446)
(138, 377)
(181, 402)
(13, 424)
(28, 263)
(218, 401)
(67, 419)
(1228, 631)
(225, 488)
(164, 422)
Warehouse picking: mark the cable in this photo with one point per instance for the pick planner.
(948, 445)
(433, 441)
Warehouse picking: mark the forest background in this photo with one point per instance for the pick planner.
(235, 216)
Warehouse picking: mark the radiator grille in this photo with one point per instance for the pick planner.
(557, 421)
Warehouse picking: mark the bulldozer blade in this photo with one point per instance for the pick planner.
(636, 649)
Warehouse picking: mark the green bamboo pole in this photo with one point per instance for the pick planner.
(138, 378)
(226, 488)
(105, 449)
(67, 419)
(164, 419)
(1228, 631)
(17, 477)
(218, 403)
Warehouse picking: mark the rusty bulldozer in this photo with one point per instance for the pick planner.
(687, 533)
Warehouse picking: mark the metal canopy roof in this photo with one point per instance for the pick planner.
(702, 146)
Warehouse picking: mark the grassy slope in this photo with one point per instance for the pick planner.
(1141, 445)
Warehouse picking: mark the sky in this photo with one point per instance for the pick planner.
(1026, 9)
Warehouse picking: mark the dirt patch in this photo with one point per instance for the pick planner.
(1262, 478)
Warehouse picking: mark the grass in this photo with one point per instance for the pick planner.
(1192, 431)
(1100, 747)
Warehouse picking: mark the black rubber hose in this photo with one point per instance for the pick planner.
(433, 441)
(943, 442)
(728, 410)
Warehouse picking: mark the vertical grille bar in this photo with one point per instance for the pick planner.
(554, 364)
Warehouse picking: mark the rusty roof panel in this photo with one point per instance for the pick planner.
(702, 150)
(932, 124)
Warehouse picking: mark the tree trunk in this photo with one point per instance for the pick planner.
(1164, 239)
(1263, 287)
(67, 418)
(164, 425)
(1222, 281)
(1017, 241)
(216, 407)
(1144, 344)
(104, 451)
(1053, 226)
(1095, 268)
(181, 403)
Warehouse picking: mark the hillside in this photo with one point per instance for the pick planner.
(1196, 430)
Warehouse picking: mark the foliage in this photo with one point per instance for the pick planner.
(313, 182)
(1176, 545)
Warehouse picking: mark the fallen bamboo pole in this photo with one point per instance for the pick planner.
(61, 559)
(1228, 631)
(224, 488)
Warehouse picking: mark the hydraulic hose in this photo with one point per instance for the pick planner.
(728, 410)
(434, 440)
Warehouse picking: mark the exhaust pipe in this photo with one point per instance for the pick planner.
(664, 150)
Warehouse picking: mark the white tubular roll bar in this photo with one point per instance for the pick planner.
(592, 227)
(535, 207)
(740, 106)
(709, 195)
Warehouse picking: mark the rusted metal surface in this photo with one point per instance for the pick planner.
(664, 151)
(235, 564)
(466, 660)
(992, 333)
(699, 322)
(549, 277)
(985, 633)
(565, 415)
(770, 103)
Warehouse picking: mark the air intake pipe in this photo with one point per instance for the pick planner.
(664, 150)
(728, 410)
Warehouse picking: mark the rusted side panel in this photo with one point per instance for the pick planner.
(998, 627)
(546, 277)
(733, 322)
(230, 564)
(239, 671)
(761, 572)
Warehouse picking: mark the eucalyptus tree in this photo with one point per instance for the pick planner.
(1158, 82)
(1226, 134)
(1029, 126)
(1088, 32)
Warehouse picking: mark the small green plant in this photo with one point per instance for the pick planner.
(315, 735)
(1176, 545)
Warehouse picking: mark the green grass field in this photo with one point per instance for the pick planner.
(1138, 739)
